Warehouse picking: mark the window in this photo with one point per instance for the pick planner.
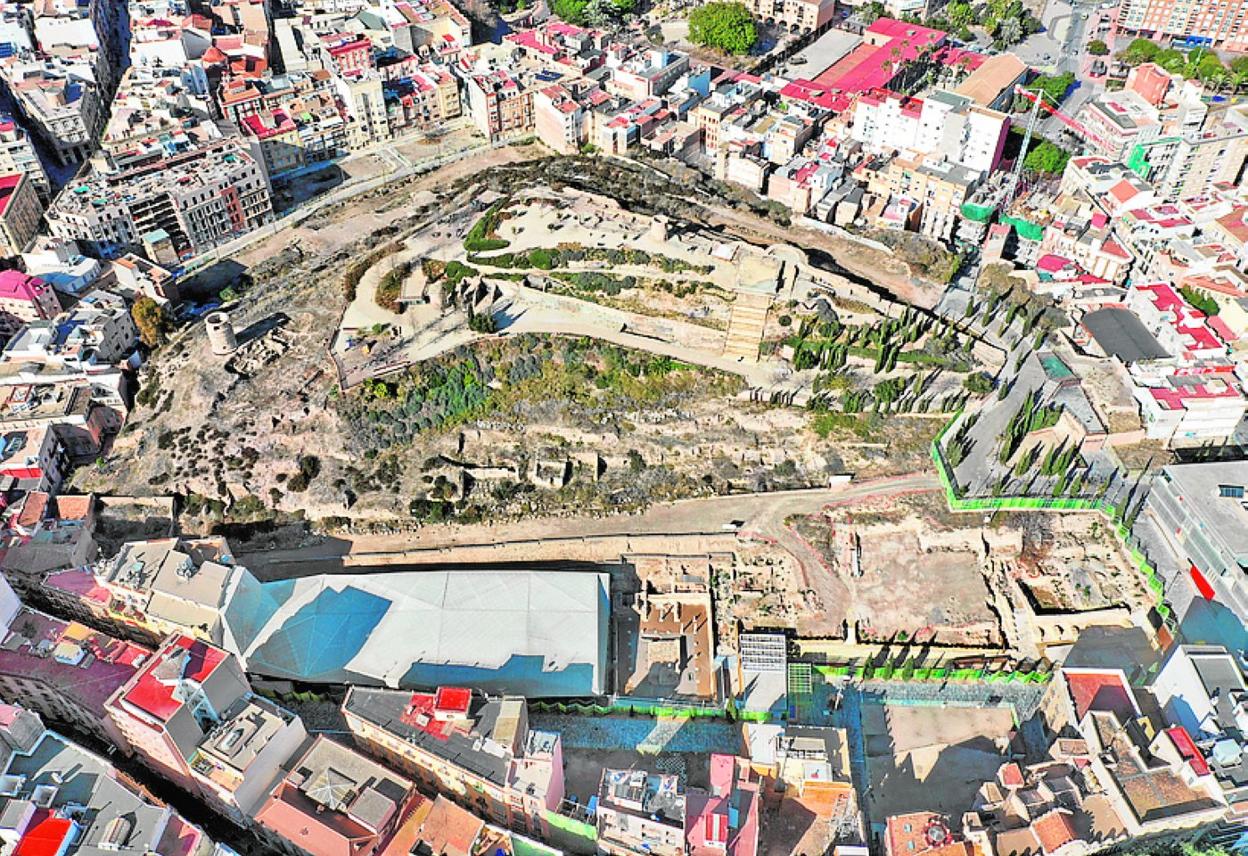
(1232, 491)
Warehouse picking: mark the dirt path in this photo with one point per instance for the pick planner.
(758, 515)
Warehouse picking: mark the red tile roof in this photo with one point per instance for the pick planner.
(1011, 775)
(33, 509)
(1054, 830)
(1103, 691)
(450, 830)
(75, 506)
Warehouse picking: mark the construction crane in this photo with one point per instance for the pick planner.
(1037, 99)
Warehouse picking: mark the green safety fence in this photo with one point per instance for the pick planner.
(907, 671)
(522, 846)
(1114, 512)
(587, 832)
(667, 711)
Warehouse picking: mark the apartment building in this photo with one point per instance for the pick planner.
(61, 798)
(799, 16)
(498, 103)
(172, 585)
(345, 53)
(89, 31)
(1181, 329)
(801, 183)
(481, 752)
(64, 671)
(60, 104)
(33, 459)
(724, 818)
(646, 74)
(1189, 406)
(241, 759)
(25, 298)
(940, 124)
(97, 332)
(641, 812)
(718, 109)
(240, 97)
(1116, 121)
(334, 801)
(135, 276)
(1193, 163)
(304, 130)
(1201, 511)
(426, 98)
(559, 121)
(936, 187)
(368, 122)
(174, 701)
(1201, 690)
(17, 154)
(1221, 26)
(21, 212)
(84, 410)
(155, 114)
(200, 199)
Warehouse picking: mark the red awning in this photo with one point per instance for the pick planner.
(1202, 584)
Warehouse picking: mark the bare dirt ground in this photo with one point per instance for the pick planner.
(931, 758)
(559, 426)
(863, 551)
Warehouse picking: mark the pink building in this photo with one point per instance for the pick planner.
(559, 120)
(348, 52)
(174, 701)
(1150, 81)
(63, 670)
(336, 802)
(25, 298)
(725, 820)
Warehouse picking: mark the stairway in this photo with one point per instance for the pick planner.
(745, 327)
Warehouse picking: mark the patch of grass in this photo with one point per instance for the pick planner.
(482, 237)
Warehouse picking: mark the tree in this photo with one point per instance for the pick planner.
(1046, 159)
(1140, 50)
(151, 321)
(572, 11)
(1010, 32)
(726, 26)
(871, 12)
(1207, 68)
(960, 14)
(482, 322)
(1200, 300)
(1171, 60)
(1096, 47)
(979, 383)
(1054, 86)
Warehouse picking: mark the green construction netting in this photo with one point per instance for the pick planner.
(1025, 228)
(978, 213)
